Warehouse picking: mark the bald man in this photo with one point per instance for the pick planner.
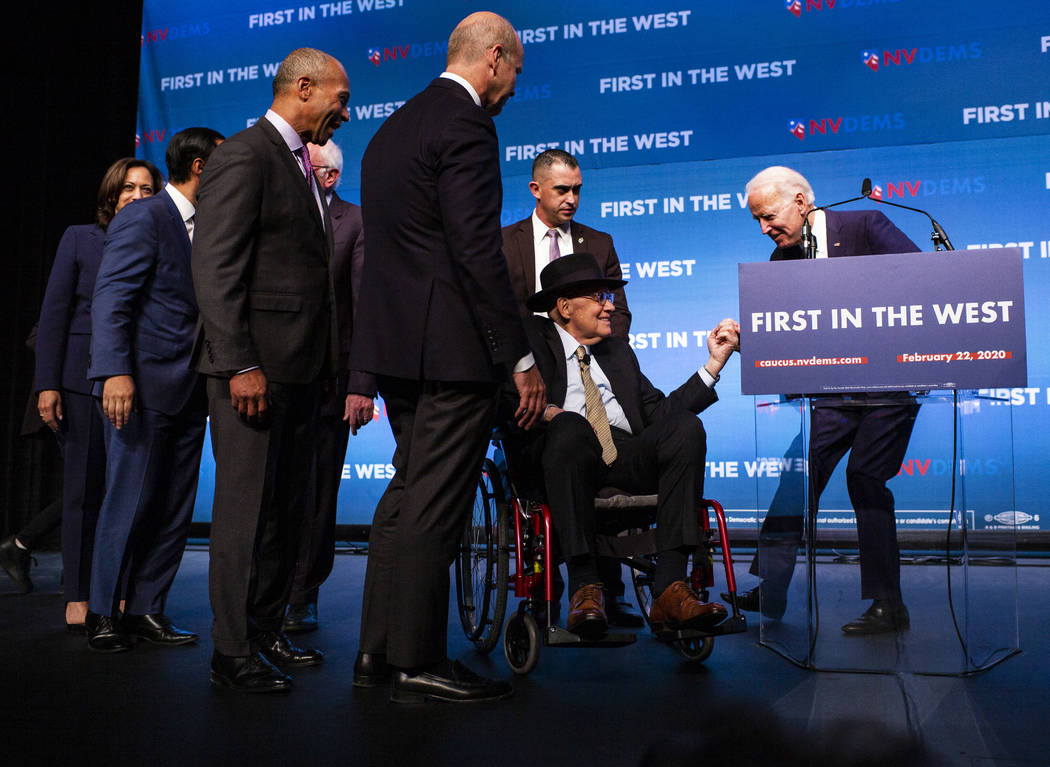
(439, 325)
(269, 337)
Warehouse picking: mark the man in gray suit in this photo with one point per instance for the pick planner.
(269, 338)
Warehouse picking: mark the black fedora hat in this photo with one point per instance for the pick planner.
(565, 274)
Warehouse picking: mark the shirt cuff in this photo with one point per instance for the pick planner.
(707, 378)
(525, 363)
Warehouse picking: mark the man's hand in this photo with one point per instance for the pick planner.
(49, 405)
(250, 396)
(532, 397)
(118, 399)
(721, 343)
(359, 411)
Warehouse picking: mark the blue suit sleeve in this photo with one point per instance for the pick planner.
(127, 267)
(55, 313)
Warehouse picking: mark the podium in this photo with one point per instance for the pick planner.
(957, 532)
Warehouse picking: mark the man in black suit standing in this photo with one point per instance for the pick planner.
(532, 243)
(556, 184)
(606, 424)
(439, 326)
(268, 339)
(873, 428)
(339, 414)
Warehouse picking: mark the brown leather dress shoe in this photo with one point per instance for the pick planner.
(679, 607)
(587, 612)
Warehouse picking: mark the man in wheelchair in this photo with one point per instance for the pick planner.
(607, 425)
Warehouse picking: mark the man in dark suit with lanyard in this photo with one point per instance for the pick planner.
(439, 326)
(606, 424)
(532, 243)
(875, 429)
(268, 340)
(339, 414)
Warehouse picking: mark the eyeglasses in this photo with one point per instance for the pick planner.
(601, 296)
(325, 170)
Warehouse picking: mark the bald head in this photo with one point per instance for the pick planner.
(311, 92)
(302, 62)
(485, 51)
(473, 36)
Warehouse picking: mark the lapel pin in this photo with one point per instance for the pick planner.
(580, 241)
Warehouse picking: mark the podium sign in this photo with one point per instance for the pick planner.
(914, 321)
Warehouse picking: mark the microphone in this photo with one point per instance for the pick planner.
(939, 237)
(809, 243)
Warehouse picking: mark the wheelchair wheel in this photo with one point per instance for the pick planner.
(697, 649)
(482, 566)
(521, 642)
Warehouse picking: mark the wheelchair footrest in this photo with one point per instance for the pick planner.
(556, 636)
(734, 624)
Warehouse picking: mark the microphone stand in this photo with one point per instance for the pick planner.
(809, 242)
(938, 237)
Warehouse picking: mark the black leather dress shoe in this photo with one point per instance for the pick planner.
(772, 602)
(251, 674)
(105, 634)
(300, 619)
(370, 669)
(15, 562)
(448, 682)
(621, 613)
(883, 617)
(156, 628)
(277, 648)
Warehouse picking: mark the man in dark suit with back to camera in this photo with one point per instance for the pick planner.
(532, 243)
(268, 341)
(874, 428)
(143, 326)
(439, 326)
(339, 415)
(606, 424)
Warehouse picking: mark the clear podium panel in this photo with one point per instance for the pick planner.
(926, 481)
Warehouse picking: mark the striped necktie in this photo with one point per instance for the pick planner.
(596, 414)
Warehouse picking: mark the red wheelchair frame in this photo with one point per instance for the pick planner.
(483, 577)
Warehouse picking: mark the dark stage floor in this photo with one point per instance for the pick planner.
(63, 705)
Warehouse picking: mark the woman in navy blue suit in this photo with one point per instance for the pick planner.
(64, 392)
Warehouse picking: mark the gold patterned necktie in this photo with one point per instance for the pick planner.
(596, 415)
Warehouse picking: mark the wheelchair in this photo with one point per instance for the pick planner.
(504, 526)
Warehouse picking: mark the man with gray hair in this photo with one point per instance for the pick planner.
(340, 413)
(873, 428)
(268, 339)
(439, 326)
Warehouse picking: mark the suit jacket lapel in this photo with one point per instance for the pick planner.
(176, 222)
(617, 370)
(527, 248)
(558, 382)
(834, 233)
(291, 165)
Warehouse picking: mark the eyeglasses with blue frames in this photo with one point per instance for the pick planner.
(600, 296)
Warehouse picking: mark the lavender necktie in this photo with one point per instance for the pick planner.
(304, 157)
(555, 250)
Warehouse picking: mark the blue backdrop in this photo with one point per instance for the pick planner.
(670, 108)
